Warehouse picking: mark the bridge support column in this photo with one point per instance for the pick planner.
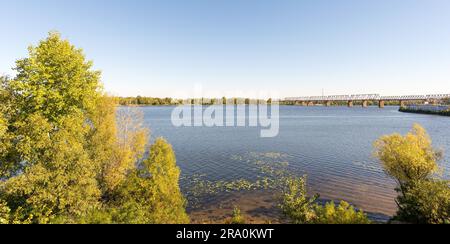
(381, 104)
(350, 104)
(365, 104)
(328, 103)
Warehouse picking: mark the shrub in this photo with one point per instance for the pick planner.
(295, 203)
(344, 213)
(237, 218)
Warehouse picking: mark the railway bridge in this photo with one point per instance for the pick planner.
(364, 99)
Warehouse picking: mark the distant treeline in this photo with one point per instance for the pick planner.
(127, 101)
(152, 101)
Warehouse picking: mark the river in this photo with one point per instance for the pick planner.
(331, 145)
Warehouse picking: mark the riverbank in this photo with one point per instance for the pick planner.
(427, 109)
(258, 207)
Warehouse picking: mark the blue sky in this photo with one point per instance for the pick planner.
(295, 47)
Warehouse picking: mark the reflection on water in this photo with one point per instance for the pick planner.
(332, 145)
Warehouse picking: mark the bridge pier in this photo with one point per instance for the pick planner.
(365, 104)
(381, 104)
(328, 103)
(350, 104)
(310, 104)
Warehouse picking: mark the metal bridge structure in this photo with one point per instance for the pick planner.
(366, 98)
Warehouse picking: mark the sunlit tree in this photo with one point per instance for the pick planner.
(408, 158)
(412, 161)
(165, 176)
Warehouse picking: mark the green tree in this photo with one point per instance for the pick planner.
(58, 178)
(408, 158)
(169, 203)
(412, 161)
(52, 94)
(149, 195)
(54, 80)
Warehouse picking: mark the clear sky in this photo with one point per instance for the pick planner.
(296, 47)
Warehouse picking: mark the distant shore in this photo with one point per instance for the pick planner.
(432, 110)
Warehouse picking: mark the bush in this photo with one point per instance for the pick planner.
(300, 209)
(344, 213)
(237, 218)
(295, 203)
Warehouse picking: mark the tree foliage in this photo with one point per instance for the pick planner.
(343, 213)
(165, 175)
(149, 195)
(425, 202)
(58, 178)
(412, 161)
(54, 80)
(408, 158)
(295, 203)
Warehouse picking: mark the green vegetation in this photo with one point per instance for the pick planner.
(288, 189)
(418, 111)
(341, 214)
(237, 218)
(412, 162)
(67, 155)
(147, 101)
(151, 101)
(301, 209)
(295, 203)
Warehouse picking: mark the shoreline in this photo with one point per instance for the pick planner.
(423, 111)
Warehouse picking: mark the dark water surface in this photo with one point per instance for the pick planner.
(332, 145)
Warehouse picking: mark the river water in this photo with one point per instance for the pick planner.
(332, 145)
